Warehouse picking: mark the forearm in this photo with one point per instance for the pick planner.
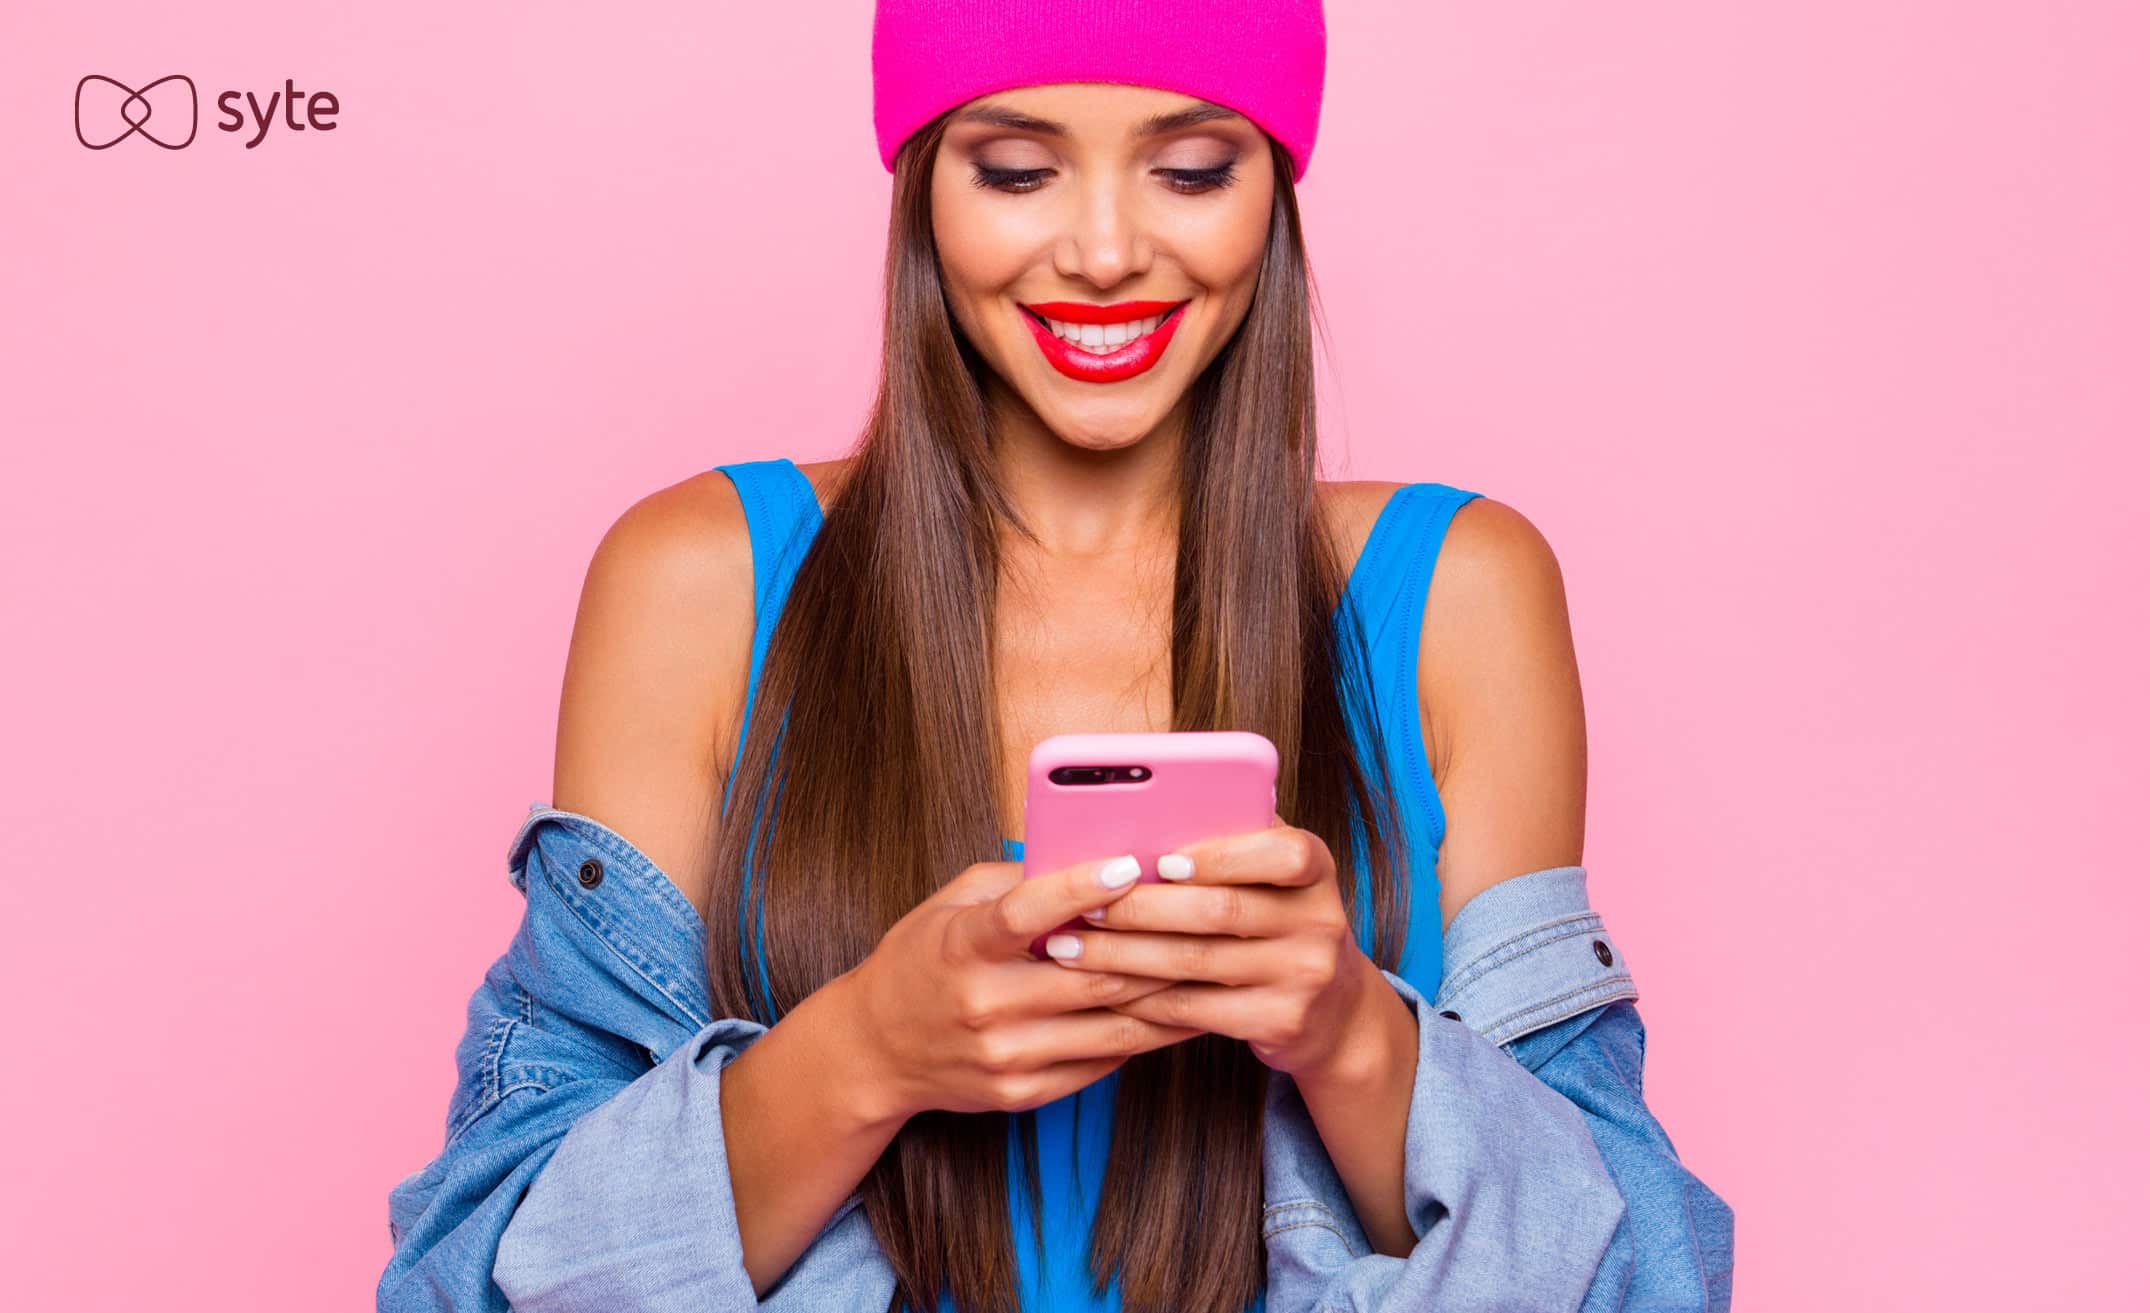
(801, 1131)
(1361, 1103)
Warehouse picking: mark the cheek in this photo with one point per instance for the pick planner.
(983, 247)
(1222, 248)
(981, 264)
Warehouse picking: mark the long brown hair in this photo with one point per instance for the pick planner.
(881, 661)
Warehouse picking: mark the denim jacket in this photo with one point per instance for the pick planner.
(584, 1169)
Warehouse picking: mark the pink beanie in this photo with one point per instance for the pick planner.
(1263, 58)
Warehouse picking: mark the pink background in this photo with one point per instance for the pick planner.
(1811, 335)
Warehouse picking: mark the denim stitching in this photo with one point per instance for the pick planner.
(1327, 1218)
(604, 931)
(499, 1045)
(1587, 996)
(1300, 1226)
(592, 911)
(1290, 1205)
(668, 898)
(489, 1074)
(1564, 927)
(1520, 944)
(599, 914)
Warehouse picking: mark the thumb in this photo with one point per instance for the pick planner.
(981, 882)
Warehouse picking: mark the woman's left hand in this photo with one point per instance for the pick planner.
(1257, 932)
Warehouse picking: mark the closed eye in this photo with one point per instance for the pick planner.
(1185, 181)
(1194, 181)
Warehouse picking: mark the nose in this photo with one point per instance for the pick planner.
(1105, 242)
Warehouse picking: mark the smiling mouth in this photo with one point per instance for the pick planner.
(1103, 339)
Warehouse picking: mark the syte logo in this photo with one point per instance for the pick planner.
(167, 111)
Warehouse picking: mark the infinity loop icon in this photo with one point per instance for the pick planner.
(172, 110)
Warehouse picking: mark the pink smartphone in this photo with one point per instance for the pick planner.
(1093, 796)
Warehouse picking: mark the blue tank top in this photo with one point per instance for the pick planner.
(1386, 593)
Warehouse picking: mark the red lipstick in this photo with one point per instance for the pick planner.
(1125, 361)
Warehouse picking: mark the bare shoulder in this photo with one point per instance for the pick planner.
(1496, 602)
(691, 534)
(1501, 702)
(1494, 559)
(656, 674)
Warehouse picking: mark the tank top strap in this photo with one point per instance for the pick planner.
(1387, 595)
(1395, 567)
(782, 517)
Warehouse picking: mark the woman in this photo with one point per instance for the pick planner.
(793, 1052)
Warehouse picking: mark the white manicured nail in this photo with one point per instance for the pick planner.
(1064, 946)
(1093, 914)
(1175, 866)
(1120, 870)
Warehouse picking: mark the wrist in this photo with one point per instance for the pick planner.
(1379, 1042)
(866, 1097)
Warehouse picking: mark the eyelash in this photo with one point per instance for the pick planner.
(1188, 182)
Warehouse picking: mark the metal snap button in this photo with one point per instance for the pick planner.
(591, 874)
(1605, 955)
(1453, 1016)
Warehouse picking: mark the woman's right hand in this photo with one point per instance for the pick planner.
(953, 1012)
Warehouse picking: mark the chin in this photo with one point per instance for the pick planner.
(1097, 434)
(1099, 424)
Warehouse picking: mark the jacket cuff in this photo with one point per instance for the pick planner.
(1497, 1227)
(634, 1209)
(1528, 952)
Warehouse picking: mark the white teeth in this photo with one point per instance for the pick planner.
(1101, 338)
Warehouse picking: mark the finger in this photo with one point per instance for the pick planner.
(1040, 989)
(1246, 911)
(1278, 854)
(1171, 957)
(1064, 1078)
(1005, 926)
(1077, 1036)
(1220, 1009)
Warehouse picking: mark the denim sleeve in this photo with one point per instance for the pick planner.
(584, 1164)
(579, 1191)
(634, 1210)
(1503, 1186)
(1564, 1196)
(1530, 965)
(1672, 1252)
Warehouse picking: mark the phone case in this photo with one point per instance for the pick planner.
(1201, 784)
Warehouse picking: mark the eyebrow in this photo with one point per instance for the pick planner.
(1153, 126)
